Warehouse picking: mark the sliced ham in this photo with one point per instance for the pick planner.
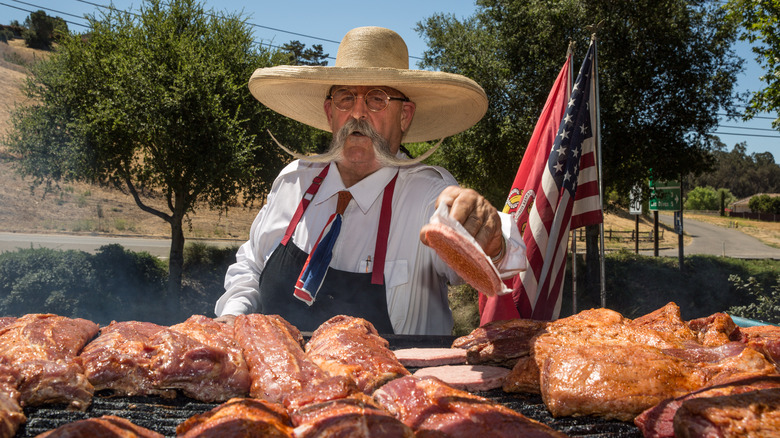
(430, 357)
(467, 377)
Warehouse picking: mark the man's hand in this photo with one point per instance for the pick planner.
(227, 319)
(477, 216)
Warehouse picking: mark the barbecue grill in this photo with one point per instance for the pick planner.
(163, 415)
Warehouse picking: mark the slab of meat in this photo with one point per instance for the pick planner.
(357, 416)
(432, 408)
(430, 357)
(239, 417)
(351, 347)
(107, 426)
(715, 329)
(603, 328)
(621, 381)
(658, 421)
(120, 359)
(467, 377)
(280, 370)
(764, 338)
(198, 357)
(749, 414)
(201, 358)
(500, 342)
(11, 414)
(43, 349)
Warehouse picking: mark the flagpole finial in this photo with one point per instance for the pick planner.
(572, 46)
(594, 29)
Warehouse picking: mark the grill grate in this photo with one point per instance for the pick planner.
(163, 415)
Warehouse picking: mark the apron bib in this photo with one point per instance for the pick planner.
(342, 293)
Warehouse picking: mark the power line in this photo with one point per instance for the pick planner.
(745, 135)
(750, 128)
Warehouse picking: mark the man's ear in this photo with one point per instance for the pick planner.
(407, 114)
(326, 107)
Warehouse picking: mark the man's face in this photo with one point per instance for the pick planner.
(390, 123)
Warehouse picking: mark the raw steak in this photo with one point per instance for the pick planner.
(351, 347)
(107, 426)
(43, 349)
(239, 417)
(280, 370)
(467, 377)
(432, 408)
(357, 416)
(749, 414)
(658, 421)
(430, 357)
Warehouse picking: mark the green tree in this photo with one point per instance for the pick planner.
(708, 198)
(155, 103)
(665, 68)
(41, 30)
(303, 56)
(742, 173)
(761, 24)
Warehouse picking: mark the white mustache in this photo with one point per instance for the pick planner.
(381, 146)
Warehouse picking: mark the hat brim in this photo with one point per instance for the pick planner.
(446, 103)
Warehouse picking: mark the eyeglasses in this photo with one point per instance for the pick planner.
(376, 99)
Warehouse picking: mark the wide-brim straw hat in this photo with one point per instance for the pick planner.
(446, 103)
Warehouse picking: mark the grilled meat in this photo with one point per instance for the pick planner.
(239, 417)
(351, 347)
(280, 370)
(107, 426)
(434, 409)
(43, 349)
(500, 342)
(357, 416)
(749, 414)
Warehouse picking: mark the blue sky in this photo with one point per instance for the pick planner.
(325, 22)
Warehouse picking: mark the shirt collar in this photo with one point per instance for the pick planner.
(365, 192)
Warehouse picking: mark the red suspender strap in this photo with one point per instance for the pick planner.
(378, 272)
(307, 197)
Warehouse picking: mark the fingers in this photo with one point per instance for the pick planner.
(476, 214)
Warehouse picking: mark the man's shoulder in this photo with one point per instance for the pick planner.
(298, 168)
(426, 172)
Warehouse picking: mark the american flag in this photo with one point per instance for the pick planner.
(566, 197)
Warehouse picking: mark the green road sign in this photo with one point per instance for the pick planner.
(665, 196)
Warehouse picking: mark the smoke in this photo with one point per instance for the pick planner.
(381, 146)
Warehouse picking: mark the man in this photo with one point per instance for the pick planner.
(378, 267)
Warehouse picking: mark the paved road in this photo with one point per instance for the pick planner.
(714, 240)
(157, 247)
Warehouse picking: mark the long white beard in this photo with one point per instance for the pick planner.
(381, 146)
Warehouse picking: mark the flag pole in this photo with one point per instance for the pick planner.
(597, 132)
(570, 52)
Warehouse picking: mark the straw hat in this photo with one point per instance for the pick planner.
(446, 103)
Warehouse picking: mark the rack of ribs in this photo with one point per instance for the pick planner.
(357, 416)
(239, 417)
(43, 349)
(351, 347)
(201, 358)
(107, 426)
(198, 356)
(280, 370)
(432, 408)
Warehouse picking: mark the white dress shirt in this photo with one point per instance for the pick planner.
(415, 277)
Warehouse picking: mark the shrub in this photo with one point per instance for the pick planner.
(765, 305)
